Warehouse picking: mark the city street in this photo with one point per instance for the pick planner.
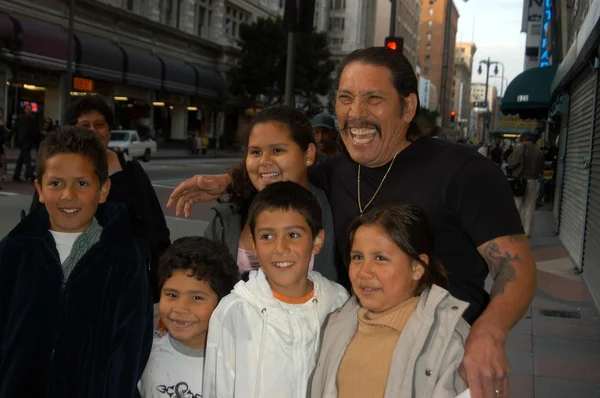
(165, 176)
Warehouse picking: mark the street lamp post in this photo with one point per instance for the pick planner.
(487, 64)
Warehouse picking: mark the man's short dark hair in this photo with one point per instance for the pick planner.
(403, 75)
(87, 104)
(73, 139)
(203, 259)
(287, 195)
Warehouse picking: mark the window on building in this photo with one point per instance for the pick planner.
(428, 47)
(431, 12)
(234, 17)
(428, 36)
(426, 70)
(462, 50)
(336, 23)
(166, 11)
(427, 60)
(335, 42)
(203, 17)
(338, 4)
(429, 23)
(129, 5)
(280, 4)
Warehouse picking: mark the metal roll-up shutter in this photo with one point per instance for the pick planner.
(560, 166)
(575, 174)
(591, 253)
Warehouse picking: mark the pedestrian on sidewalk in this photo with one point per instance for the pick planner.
(326, 136)
(527, 162)
(5, 135)
(26, 131)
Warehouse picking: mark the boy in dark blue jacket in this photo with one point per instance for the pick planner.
(75, 305)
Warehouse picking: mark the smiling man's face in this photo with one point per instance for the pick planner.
(373, 118)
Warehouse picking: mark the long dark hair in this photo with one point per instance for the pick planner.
(408, 227)
(241, 191)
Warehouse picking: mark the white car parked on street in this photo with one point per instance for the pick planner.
(128, 141)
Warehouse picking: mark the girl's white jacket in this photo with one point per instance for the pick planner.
(260, 347)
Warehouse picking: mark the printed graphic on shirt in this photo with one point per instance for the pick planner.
(179, 390)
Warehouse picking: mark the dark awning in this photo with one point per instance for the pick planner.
(142, 69)
(210, 83)
(7, 32)
(529, 92)
(99, 59)
(42, 46)
(179, 77)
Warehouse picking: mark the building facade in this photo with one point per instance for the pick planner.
(484, 116)
(575, 93)
(428, 96)
(408, 14)
(161, 63)
(348, 23)
(431, 47)
(531, 25)
(461, 82)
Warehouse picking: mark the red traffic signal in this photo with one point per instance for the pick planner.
(452, 116)
(394, 43)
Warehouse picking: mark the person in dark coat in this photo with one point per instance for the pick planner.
(130, 184)
(75, 304)
(26, 131)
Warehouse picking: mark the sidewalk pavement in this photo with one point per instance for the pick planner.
(163, 154)
(554, 351)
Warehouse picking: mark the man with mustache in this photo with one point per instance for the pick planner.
(466, 197)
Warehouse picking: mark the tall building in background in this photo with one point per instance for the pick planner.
(431, 48)
(478, 94)
(349, 24)
(408, 14)
(461, 82)
(352, 24)
(531, 25)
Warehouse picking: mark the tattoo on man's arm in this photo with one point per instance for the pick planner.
(501, 265)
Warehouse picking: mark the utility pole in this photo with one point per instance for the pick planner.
(446, 54)
(290, 69)
(393, 19)
(69, 78)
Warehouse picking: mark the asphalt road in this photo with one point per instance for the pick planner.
(165, 176)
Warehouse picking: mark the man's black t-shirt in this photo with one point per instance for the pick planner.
(466, 197)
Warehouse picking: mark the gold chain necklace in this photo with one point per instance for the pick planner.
(378, 188)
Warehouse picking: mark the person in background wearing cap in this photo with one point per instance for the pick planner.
(325, 135)
(388, 158)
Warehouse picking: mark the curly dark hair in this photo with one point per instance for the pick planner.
(203, 259)
(73, 139)
(87, 104)
(409, 228)
(241, 191)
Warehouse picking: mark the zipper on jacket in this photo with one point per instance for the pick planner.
(298, 352)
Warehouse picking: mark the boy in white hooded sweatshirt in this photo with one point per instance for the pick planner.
(264, 336)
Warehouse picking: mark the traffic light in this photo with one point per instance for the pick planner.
(452, 116)
(395, 43)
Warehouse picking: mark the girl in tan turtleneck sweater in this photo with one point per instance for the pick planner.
(401, 334)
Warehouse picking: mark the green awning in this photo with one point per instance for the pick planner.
(529, 91)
